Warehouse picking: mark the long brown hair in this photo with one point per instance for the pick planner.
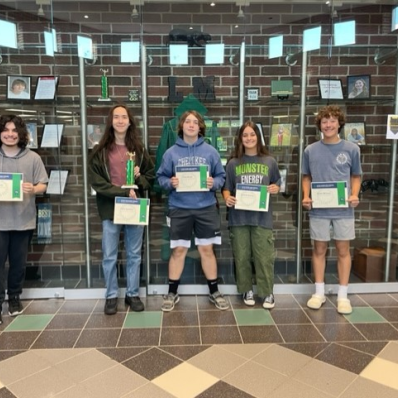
(239, 149)
(131, 140)
(20, 125)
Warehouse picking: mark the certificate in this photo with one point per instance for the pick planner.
(57, 182)
(251, 197)
(46, 87)
(130, 211)
(327, 195)
(192, 178)
(52, 134)
(11, 187)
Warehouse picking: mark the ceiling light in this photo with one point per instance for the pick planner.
(240, 13)
(41, 3)
(212, 4)
(40, 11)
(134, 13)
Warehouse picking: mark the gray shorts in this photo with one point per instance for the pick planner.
(325, 229)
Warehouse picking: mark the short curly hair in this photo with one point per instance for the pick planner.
(328, 112)
(20, 126)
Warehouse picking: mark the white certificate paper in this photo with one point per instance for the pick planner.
(130, 211)
(52, 134)
(11, 187)
(57, 182)
(251, 197)
(192, 178)
(329, 195)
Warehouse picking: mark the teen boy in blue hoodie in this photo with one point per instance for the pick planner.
(192, 211)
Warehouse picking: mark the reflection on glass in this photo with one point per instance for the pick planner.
(85, 47)
(50, 40)
(275, 47)
(178, 54)
(394, 19)
(214, 53)
(130, 51)
(8, 36)
(312, 39)
(344, 33)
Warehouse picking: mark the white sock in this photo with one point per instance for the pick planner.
(342, 292)
(320, 289)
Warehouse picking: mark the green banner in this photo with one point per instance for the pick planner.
(203, 176)
(341, 193)
(16, 186)
(143, 208)
(263, 197)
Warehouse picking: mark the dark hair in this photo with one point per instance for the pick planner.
(131, 140)
(18, 81)
(328, 112)
(20, 126)
(201, 122)
(239, 149)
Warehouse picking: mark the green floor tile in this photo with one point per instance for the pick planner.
(29, 322)
(253, 317)
(147, 319)
(364, 315)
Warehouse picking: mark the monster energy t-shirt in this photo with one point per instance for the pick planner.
(259, 170)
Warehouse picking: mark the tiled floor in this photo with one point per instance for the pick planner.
(70, 349)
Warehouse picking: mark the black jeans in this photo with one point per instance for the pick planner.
(14, 245)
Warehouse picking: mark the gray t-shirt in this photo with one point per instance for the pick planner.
(20, 216)
(259, 170)
(332, 162)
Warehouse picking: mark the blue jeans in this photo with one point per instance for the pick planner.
(132, 242)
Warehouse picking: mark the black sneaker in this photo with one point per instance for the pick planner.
(135, 303)
(15, 306)
(111, 306)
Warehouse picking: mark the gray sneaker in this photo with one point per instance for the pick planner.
(169, 301)
(219, 301)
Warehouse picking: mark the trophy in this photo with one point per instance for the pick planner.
(104, 86)
(130, 171)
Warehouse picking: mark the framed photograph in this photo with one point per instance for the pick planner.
(330, 89)
(281, 134)
(46, 87)
(358, 86)
(252, 94)
(19, 87)
(32, 130)
(52, 134)
(94, 134)
(355, 132)
(260, 127)
(57, 182)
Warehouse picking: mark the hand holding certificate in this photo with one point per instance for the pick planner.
(251, 197)
(11, 187)
(192, 178)
(329, 195)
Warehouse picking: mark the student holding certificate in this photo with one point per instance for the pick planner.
(331, 184)
(251, 167)
(108, 174)
(193, 208)
(23, 176)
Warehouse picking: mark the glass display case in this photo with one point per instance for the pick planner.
(227, 93)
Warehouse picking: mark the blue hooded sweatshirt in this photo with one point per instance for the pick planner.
(183, 154)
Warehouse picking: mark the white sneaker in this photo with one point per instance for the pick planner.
(248, 298)
(269, 302)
